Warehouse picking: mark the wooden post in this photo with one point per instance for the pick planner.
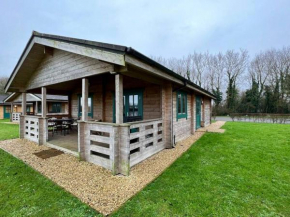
(11, 112)
(43, 102)
(119, 98)
(23, 103)
(167, 118)
(81, 141)
(69, 105)
(193, 113)
(85, 99)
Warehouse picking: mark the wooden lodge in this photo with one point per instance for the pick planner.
(128, 106)
(57, 106)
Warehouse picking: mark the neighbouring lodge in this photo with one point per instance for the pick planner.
(123, 107)
(5, 108)
(57, 106)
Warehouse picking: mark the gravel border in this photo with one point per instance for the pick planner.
(93, 184)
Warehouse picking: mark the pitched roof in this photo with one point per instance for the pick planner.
(111, 48)
(14, 97)
(53, 97)
(2, 98)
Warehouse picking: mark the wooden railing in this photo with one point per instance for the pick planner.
(31, 128)
(118, 147)
(100, 142)
(15, 116)
(146, 139)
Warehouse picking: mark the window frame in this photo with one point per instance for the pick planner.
(55, 105)
(39, 107)
(90, 113)
(138, 91)
(183, 105)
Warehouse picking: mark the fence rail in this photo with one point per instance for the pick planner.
(261, 117)
(146, 139)
(119, 147)
(31, 128)
(100, 141)
(16, 116)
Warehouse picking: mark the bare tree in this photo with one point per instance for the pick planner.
(3, 81)
(199, 62)
(216, 71)
(259, 70)
(235, 66)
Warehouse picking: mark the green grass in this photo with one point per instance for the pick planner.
(243, 172)
(4, 120)
(8, 131)
(25, 192)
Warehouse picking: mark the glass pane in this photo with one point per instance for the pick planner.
(131, 105)
(81, 104)
(184, 104)
(124, 105)
(8, 109)
(90, 105)
(136, 105)
(39, 107)
(179, 104)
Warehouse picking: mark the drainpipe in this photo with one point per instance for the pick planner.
(172, 125)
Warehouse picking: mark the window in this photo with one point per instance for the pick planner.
(28, 108)
(132, 105)
(56, 107)
(181, 103)
(90, 105)
(39, 107)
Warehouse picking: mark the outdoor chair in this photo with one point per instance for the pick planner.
(51, 127)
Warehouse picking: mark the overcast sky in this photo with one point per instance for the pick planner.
(159, 28)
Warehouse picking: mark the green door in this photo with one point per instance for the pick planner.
(133, 106)
(7, 111)
(198, 111)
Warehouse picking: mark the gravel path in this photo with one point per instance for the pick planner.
(93, 184)
(213, 128)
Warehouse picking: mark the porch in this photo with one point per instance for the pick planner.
(124, 123)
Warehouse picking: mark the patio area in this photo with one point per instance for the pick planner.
(68, 141)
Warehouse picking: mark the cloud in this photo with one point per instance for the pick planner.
(161, 28)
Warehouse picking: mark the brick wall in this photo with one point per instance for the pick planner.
(1, 112)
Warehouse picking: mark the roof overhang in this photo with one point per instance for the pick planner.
(35, 50)
(115, 54)
(31, 98)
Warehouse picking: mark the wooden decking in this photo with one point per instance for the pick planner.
(69, 141)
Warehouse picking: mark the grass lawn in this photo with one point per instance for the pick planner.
(25, 192)
(243, 172)
(4, 120)
(8, 131)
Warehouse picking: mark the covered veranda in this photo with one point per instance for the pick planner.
(93, 137)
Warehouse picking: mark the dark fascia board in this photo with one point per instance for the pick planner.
(93, 44)
(111, 48)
